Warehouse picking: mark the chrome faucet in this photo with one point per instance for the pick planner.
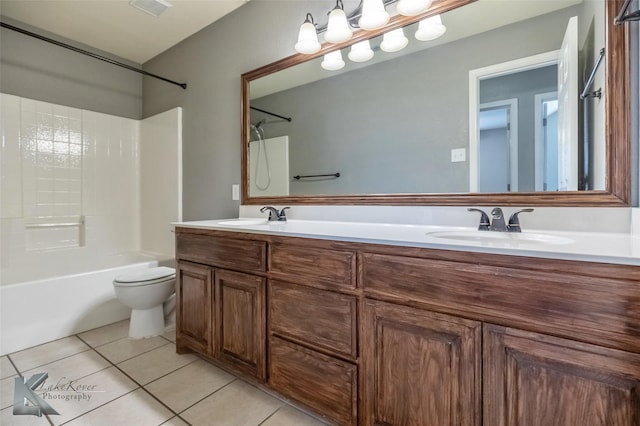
(274, 214)
(497, 222)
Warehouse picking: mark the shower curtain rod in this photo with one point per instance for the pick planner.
(93, 55)
(271, 113)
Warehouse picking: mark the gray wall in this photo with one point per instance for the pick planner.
(211, 62)
(36, 69)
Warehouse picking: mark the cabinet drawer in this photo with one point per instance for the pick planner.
(311, 265)
(598, 310)
(325, 384)
(318, 318)
(223, 252)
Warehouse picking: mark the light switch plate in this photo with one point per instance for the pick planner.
(235, 192)
(458, 155)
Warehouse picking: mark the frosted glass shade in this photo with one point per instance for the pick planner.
(430, 28)
(307, 39)
(332, 61)
(394, 41)
(338, 29)
(361, 51)
(412, 7)
(374, 15)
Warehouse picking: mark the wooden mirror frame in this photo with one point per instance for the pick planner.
(617, 133)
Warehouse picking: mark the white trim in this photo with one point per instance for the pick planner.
(539, 137)
(496, 70)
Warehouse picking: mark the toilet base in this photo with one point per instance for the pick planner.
(146, 322)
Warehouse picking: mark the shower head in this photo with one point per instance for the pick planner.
(258, 130)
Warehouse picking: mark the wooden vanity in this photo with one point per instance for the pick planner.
(370, 334)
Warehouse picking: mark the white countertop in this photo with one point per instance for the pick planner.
(616, 248)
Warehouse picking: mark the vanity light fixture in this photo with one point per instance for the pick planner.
(412, 7)
(333, 61)
(430, 28)
(374, 15)
(338, 29)
(361, 51)
(308, 37)
(394, 41)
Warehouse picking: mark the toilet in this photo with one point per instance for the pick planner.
(146, 292)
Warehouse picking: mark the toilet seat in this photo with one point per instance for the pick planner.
(146, 277)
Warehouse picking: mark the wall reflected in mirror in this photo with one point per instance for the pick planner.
(442, 116)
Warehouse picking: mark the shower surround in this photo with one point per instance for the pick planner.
(71, 199)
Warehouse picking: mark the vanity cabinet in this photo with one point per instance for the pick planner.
(369, 334)
(419, 367)
(221, 312)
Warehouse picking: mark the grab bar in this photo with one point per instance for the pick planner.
(334, 175)
(598, 93)
(54, 224)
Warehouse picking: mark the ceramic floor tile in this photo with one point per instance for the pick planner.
(170, 334)
(156, 363)
(7, 386)
(123, 349)
(6, 368)
(188, 385)
(135, 408)
(46, 353)
(289, 416)
(176, 421)
(238, 404)
(7, 418)
(90, 392)
(106, 334)
(71, 368)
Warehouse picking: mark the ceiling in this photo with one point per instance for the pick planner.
(114, 26)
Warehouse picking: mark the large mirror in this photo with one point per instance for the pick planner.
(518, 102)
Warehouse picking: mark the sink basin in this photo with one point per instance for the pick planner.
(500, 237)
(243, 222)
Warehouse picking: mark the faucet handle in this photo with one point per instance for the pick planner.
(484, 219)
(514, 221)
(273, 212)
(282, 216)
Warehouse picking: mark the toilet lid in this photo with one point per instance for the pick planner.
(149, 274)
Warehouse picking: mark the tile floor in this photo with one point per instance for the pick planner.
(101, 377)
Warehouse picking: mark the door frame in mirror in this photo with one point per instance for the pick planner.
(617, 125)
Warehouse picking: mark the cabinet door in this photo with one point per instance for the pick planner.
(194, 310)
(419, 368)
(241, 321)
(533, 379)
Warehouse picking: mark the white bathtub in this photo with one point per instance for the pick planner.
(36, 311)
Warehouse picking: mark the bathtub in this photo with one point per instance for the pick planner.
(36, 310)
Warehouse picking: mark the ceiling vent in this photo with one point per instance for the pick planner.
(152, 7)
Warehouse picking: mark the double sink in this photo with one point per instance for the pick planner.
(449, 235)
